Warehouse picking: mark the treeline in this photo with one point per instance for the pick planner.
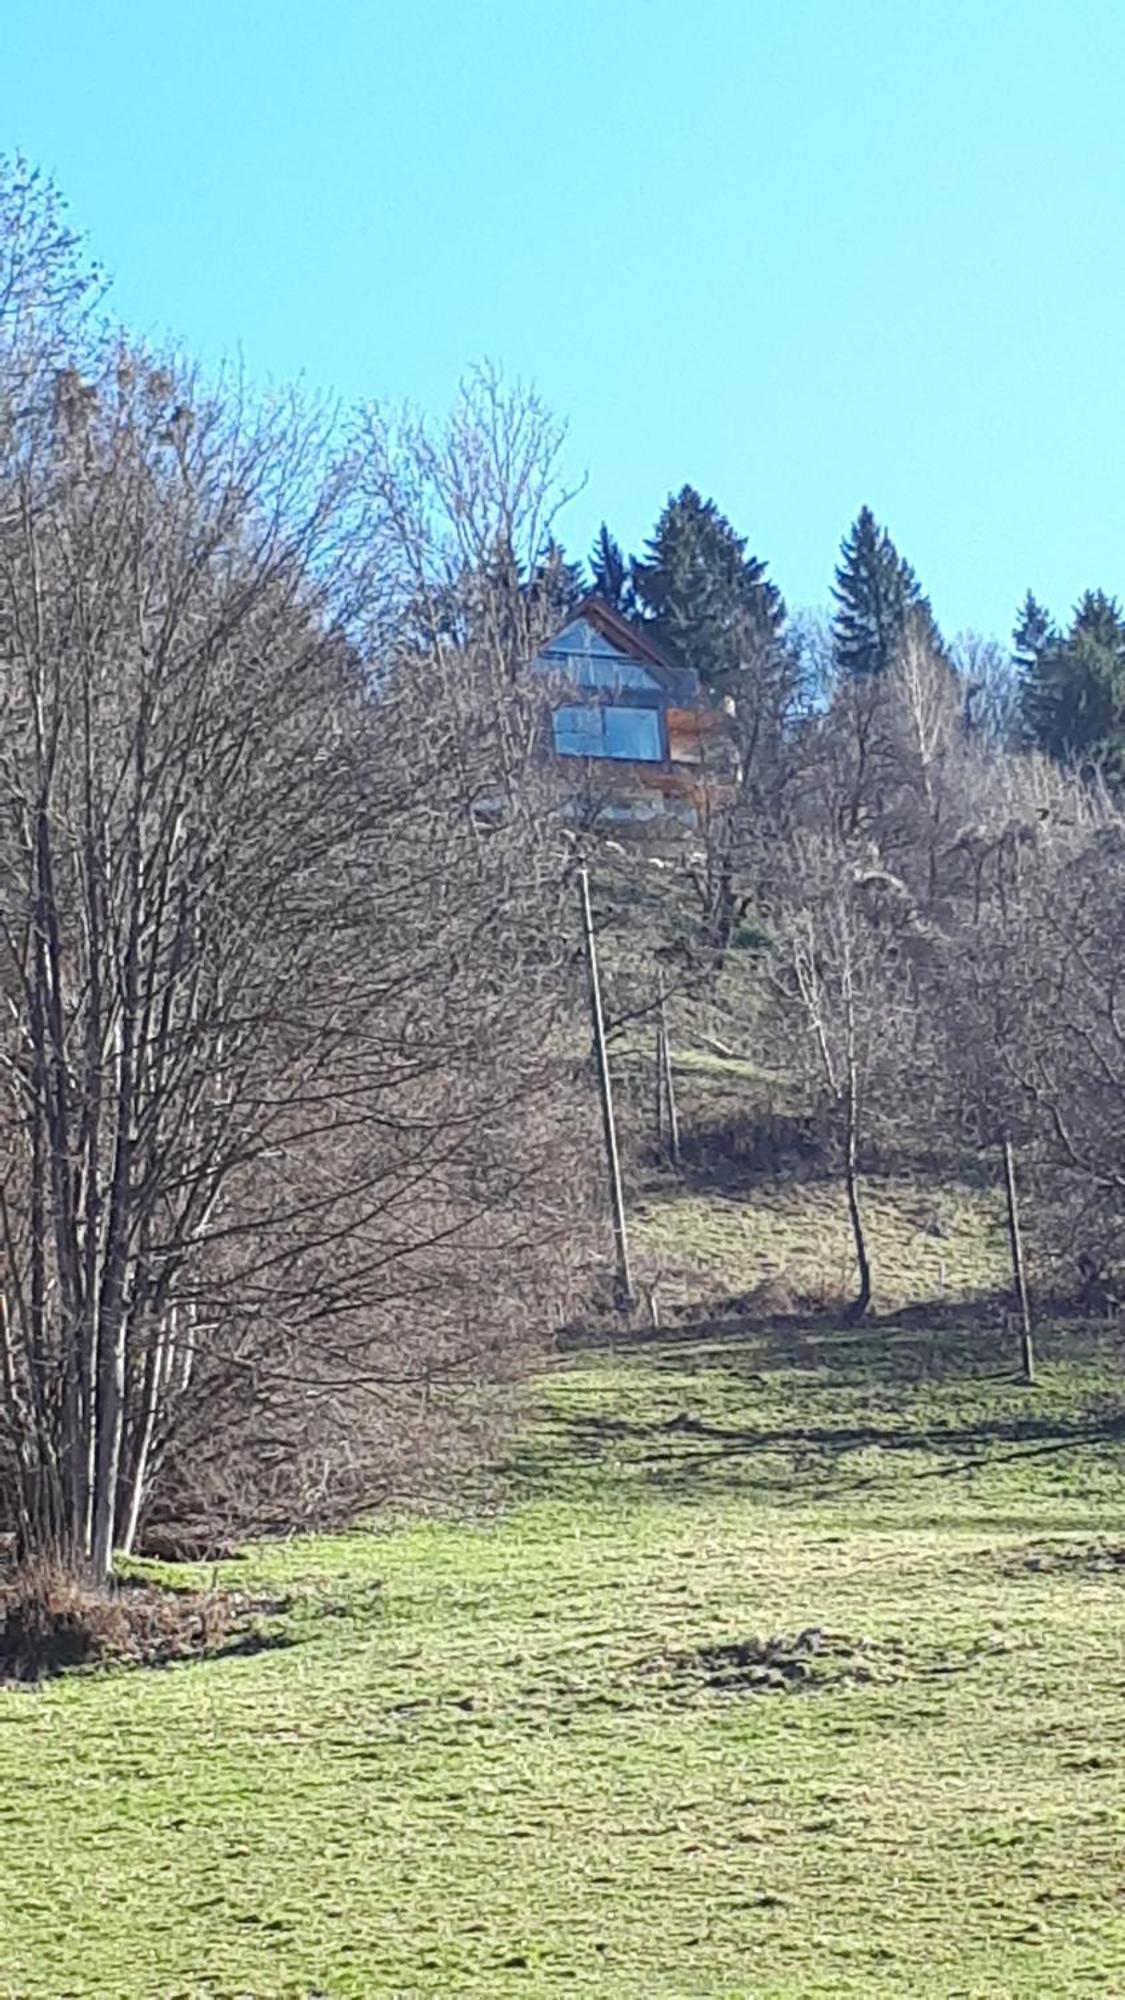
(294, 1142)
(909, 903)
(710, 602)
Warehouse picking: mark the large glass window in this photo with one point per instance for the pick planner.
(633, 734)
(583, 657)
(578, 732)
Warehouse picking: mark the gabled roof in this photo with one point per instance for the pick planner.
(682, 683)
(628, 638)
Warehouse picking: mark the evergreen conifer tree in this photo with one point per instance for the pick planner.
(1034, 630)
(1073, 689)
(712, 607)
(610, 573)
(708, 603)
(878, 598)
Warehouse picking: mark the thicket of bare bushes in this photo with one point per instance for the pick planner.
(937, 968)
(290, 1145)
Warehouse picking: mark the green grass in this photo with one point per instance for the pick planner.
(491, 1762)
(924, 1243)
(696, 1067)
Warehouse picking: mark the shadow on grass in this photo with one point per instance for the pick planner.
(742, 1154)
(246, 1646)
(881, 1385)
(46, 1656)
(241, 1646)
(708, 1444)
(940, 1338)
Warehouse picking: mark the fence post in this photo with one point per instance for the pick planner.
(669, 1082)
(1015, 1244)
(623, 1283)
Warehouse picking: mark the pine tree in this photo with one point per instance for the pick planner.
(708, 603)
(556, 586)
(1034, 630)
(878, 599)
(712, 607)
(610, 573)
(1073, 689)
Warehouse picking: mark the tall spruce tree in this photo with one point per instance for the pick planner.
(708, 603)
(556, 586)
(1073, 685)
(711, 606)
(1034, 630)
(610, 573)
(878, 599)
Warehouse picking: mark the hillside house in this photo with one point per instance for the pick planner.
(651, 743)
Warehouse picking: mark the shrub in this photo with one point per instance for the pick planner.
(49, 1622)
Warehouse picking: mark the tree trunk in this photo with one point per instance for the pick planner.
(669, 1082)
(862, 1301)
(1019, 1274)
(134, 1484)
(623, 1283)
(111, 1416)
(113, 1311)
(658, 1069)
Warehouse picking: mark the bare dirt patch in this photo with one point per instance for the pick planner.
(784, 1663)
(1085, 1558)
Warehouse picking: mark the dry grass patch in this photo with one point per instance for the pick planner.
(51, 1622)
(792, 1237)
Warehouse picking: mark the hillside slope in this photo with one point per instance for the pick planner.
(789, 1666)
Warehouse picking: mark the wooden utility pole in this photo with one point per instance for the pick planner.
(1019, 1275)
(666, 1074)
(658, 1073)
(623, 1282)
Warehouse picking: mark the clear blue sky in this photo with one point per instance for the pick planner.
(802, 253)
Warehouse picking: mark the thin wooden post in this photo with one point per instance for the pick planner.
(623, 1285)
(658, 1073)
(669, 1083)
(1019, 1275)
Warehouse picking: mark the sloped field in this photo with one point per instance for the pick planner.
(787, 1667)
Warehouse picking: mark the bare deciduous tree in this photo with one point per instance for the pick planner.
(842, 990)
(285, 1129)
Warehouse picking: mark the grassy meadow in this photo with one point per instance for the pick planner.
(775, 1662)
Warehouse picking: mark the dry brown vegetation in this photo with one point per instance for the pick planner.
(289, 1164)
(298, 1134)
(51, 1621)
(925, 974)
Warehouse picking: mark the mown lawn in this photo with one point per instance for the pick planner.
(494, 1760)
